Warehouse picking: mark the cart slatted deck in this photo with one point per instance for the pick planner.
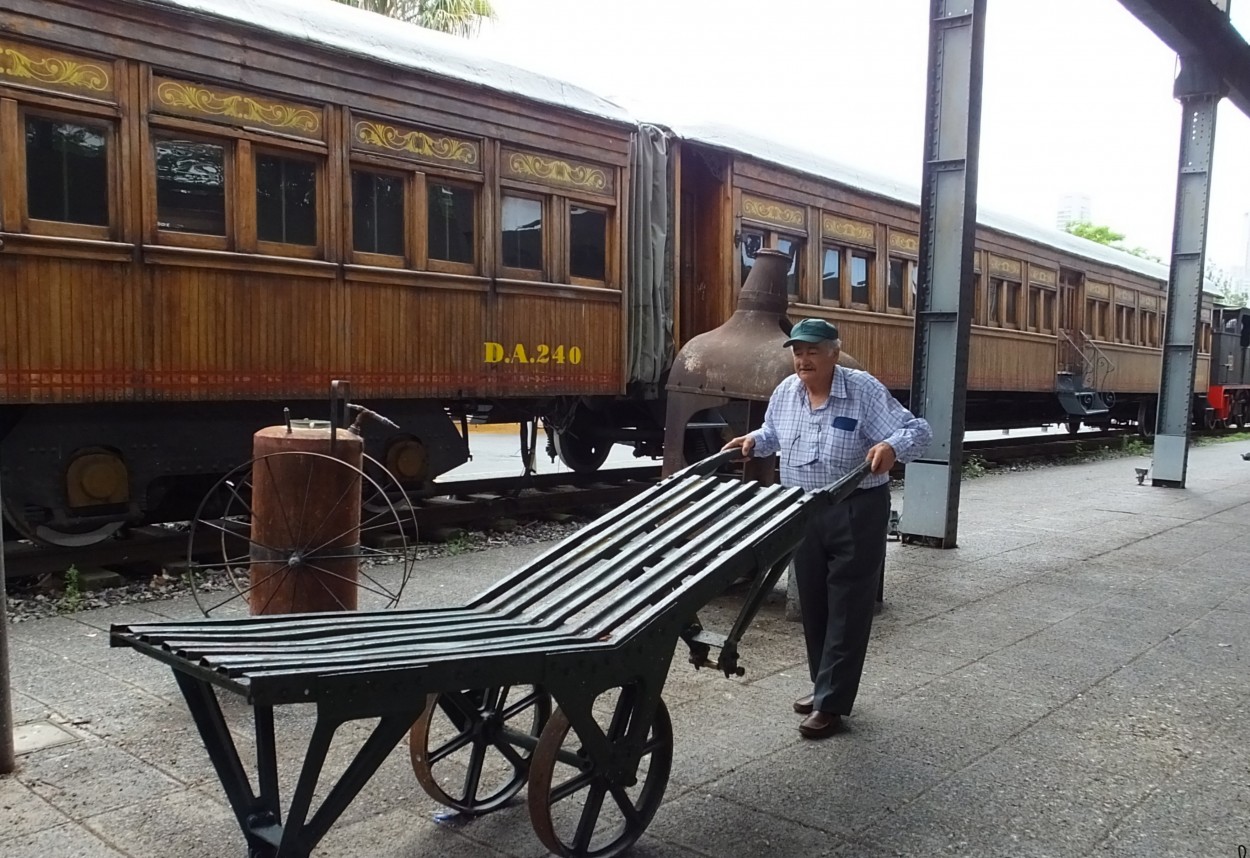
(592, 624)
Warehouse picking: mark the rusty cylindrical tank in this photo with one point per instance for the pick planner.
(305, 520)
(743, 359)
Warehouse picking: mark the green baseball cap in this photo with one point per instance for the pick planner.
(811, 331)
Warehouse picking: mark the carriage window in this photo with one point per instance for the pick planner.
(831, 276)
(991, 308)
(452, 222)
(1048, 311)
(752, 243)
(377, 213)
(67, 171)
(1011, 305)
(286, 200)
(588, 243)
(1096, 319)
(894, 291)
(793, 247)
(522, 233)
(190, 186)
(861, 266)
(978, 301)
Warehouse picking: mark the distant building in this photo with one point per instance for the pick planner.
(1073, 208)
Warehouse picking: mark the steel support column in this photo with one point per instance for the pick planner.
(7, 758)
(948, 219)
(1199, 91)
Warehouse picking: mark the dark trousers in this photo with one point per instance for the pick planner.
(837, 568)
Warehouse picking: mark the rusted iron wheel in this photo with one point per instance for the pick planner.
(471, 750)
(576, 808)
(225, 515)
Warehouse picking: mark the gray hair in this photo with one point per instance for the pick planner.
(832, 345)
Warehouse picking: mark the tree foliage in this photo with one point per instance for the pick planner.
(458, 17)
(1226, 290)
(1108, 236)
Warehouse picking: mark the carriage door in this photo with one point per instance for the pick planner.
(1068, 355)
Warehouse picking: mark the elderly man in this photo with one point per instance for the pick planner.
(825, 420)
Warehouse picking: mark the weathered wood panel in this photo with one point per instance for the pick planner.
(1013, 361)
(404, 339)
(223, 334)
(537, 329)
(68, 330)
(1136, 369)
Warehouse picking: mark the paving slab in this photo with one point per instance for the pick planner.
(1071, 681)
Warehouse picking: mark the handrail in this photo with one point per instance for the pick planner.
(1091, 373)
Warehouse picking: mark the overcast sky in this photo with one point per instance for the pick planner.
(1078, 93)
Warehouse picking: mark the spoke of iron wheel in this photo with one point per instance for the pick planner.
(329, 511)
(473, 777)
(495, 698)
(385, 594)
(511, 754)
(449, 748)
(520, 706)
(333, 595)
(215, 526)
(286, 570)
(633, 819)
(572, 786)
(242, 593)
(589, 817)
(277, 494)
(238, 495)
(464, 703)
(303, 512)
(654, 744)
(361, 528)
(385, 591)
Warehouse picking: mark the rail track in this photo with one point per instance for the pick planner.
(478, 503)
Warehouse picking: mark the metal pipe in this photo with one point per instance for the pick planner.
(7, 759)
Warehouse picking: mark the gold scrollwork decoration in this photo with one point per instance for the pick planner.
(56, 71)
(553, 171)
(1006, 267)
(905, 242)
(1149, 302)
(860, 233)
(1044, 276)
(416, 142)
(771, 212)
(245, 108)
(1098, 290)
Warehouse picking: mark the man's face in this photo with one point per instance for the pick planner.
(814, 361)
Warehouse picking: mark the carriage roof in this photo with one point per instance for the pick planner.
(373, 37)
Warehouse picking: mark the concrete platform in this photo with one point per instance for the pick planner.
(1074, 680)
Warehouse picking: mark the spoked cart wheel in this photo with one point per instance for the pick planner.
(471, 750)
(311, 551)
(577, 808)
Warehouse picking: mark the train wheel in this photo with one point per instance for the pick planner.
(1145, 419)
(471, 750)
(250, 568)
(17, 517)
(576, 808)
(580, 452)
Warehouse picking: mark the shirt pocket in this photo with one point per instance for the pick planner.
(803, 451)
(845, 424)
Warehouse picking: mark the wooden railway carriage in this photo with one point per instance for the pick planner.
(1063, 329)
(210, 208)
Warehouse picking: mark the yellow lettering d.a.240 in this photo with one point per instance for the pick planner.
(541, 353)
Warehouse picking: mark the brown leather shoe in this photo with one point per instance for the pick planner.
(803, 705)
(820, 725)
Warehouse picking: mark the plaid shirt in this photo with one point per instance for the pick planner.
(820, 445)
